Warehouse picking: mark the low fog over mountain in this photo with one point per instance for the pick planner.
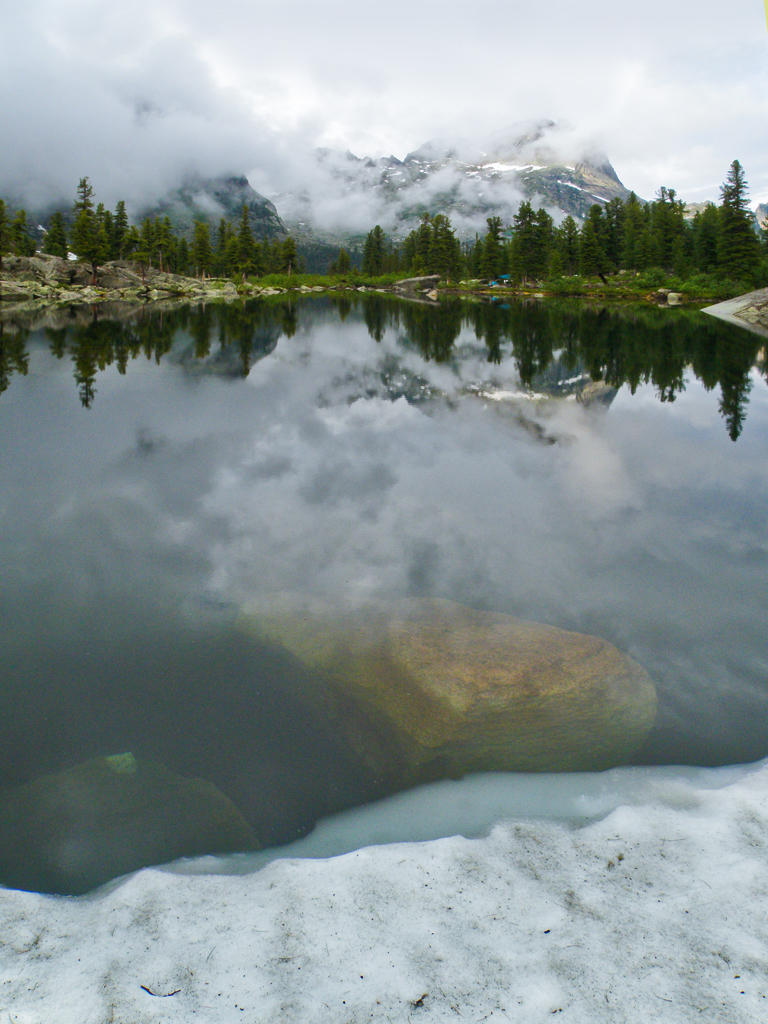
(345, 194)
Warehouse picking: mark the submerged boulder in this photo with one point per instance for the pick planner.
(428, 689)
(72, 830)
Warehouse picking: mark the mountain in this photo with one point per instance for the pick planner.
(210, 200)
(345, 195)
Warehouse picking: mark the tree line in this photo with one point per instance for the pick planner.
(623, 235)
(97, 235)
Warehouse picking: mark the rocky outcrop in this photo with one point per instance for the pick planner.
(52, 279)
(749, 311)
(210, 200)
(429, 689)
(46, 291)
(70, 831)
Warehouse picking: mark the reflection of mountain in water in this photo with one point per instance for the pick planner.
(558, 347)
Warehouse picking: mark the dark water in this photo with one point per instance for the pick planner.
(157, 471)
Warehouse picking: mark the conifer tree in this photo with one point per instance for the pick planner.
(632, 228)
(288, 256)
(245, 243)
(565, 248)
(422, 240)
(342, 264)
(492, 258)
(592, 258)
(445, 249)
(131, 241)
(738, 250)
(201, 248)
(165, 243)
(107, 222)
(148, 235)
(84, 200)
(531, 243)
(374, 252)
(668, 224)
(21, 241)
(182, 256)
(56, 237)
(119, 231)
(706, 228)
(88, 240)
(3, 231)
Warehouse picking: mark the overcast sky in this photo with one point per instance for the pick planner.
(138, 93)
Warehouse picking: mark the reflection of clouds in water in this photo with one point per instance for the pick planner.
(372, 483)
(642, 524)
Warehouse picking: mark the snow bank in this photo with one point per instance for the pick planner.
(656, 912)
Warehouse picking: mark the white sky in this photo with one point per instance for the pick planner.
(137, 93)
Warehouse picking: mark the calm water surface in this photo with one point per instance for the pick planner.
(158, 471)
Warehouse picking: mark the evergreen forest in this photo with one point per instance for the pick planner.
(717, 252)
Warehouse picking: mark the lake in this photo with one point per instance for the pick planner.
(595, 469)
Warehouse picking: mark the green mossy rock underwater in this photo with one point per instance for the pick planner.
(72, 830)
(428, 689)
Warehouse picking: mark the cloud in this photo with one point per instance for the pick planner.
(135, 95)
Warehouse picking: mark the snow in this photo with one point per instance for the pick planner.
(497, 166)
(657, 911)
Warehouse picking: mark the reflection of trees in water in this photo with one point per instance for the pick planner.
(14, 357)
(433, 330)
(94, 346)
(251, 329)
(614, 345)
(632, 347)
(343, 307)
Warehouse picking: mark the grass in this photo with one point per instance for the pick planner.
(295, 281)
(698, 288)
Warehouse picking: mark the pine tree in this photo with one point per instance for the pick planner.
(668, 224)
(182, 257)
(492, 258)
(592, 258)
(56, 237)
(202, 255)
(119, 231)
(531, 243)
(88, 239)
(738, 249)
(165, 243)
(288, 256)
(565, 248)
(245, 244)
(84, 199)
(632, 228)
(3, 232)
(445, 249)
(422, 242)
(374, 252)
(107, 222)
(342, 265)
(131, 242)
(614, 213)
(706, 228)
(21, 241)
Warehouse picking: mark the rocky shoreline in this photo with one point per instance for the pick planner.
(44, 291)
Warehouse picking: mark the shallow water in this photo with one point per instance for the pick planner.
(159, 472)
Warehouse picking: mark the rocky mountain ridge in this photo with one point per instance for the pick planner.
(344, 192)
(214, 199)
